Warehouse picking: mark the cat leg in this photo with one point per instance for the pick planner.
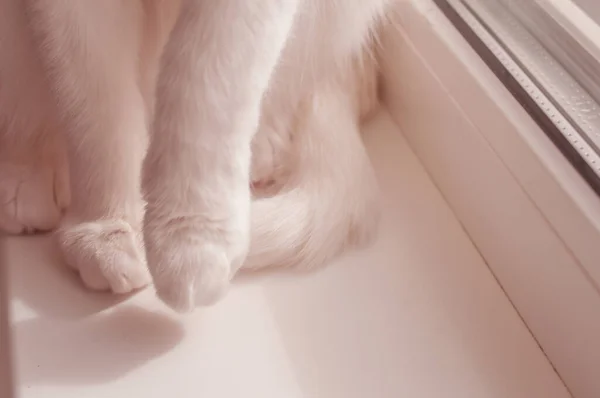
(215, 70)
(34, 187)
(34, 190)
(90, 49)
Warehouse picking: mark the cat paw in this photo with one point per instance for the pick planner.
(271, 156)
(107, 254)
(189, 269)
(32, 199)
(196, 275)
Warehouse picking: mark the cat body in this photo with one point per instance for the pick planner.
(196, 137)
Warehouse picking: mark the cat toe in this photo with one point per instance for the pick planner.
(107, 255)
(31, 199)
(201, 277)
(190, 268)
(186, 276)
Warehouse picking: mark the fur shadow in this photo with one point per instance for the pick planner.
(95, 350)
(39, 278)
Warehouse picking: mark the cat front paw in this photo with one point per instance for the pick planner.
(32, 197)
(191, 267)
(271, 158)
(107, 254)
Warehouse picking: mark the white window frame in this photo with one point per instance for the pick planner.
(530, 214)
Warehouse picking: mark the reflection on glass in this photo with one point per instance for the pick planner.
(550, 49)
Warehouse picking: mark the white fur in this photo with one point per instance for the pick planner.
(192, 103)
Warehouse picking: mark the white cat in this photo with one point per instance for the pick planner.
(106, 105)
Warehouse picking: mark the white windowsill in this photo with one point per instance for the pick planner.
(483, 218)
(532, 217)
(417, 315)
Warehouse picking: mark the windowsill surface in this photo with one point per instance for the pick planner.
(417, 315)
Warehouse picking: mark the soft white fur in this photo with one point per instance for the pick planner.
(192, 106)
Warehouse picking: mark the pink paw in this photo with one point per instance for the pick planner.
(189, 268)
(107, 254)
(32, 199)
